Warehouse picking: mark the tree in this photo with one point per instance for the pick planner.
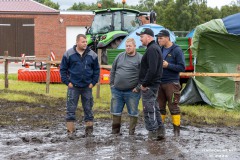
(80, 6)
(238, 3)
(148, 4)
(49, 3)
(229, 10)
(108, 3)
(176, 15)
(166, 14)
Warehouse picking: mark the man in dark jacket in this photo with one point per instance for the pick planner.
(79, 70)
(149, 78)
(169, 90)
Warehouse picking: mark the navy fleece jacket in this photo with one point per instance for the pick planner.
(79, 70)
(176, 64)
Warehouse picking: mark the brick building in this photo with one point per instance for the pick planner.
(35, 29)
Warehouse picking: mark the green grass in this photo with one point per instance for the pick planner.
(10, 76)
(35, 93)
(211, 116)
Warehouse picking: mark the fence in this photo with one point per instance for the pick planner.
(236, 77)
(48, 61)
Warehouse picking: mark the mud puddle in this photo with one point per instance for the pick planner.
(53, 143)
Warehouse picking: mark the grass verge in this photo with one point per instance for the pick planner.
(24, 101)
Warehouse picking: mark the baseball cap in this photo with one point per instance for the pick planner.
(163, 33)
(147, 31)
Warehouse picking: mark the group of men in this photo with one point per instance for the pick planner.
(154, 77)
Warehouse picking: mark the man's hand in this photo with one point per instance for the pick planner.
(144, 88)
(165, 64)
(70, 85)
(90, 85)
(135, 90)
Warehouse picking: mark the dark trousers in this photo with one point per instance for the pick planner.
(72, 103)
(151, 109)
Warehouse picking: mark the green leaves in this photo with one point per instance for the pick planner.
(49, 3)
(176, 15)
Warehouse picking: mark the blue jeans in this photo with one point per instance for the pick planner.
(72, 103)
(120, 98)
(151, 109)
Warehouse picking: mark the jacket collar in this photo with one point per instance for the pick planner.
(150, 43)
(84, 53)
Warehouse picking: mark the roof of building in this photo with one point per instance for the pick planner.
(25, 7)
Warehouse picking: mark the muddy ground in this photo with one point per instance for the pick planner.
(37, 131)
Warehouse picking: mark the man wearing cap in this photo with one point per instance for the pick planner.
(169, 90)
(149, 78)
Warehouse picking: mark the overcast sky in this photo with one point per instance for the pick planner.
(65, 4)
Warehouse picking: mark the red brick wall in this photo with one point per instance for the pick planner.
(50, 34)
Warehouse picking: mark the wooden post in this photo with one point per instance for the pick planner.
(6, 68)
(237, 86)
(48, 74)
(99, 62)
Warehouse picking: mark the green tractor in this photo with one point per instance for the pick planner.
(109, 27)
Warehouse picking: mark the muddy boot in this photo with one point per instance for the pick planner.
(176, 131)
(153, 135)
(71, 129)
(161, 132)
(176, 125)
(116, 124)
(132, 125)
(89, 129)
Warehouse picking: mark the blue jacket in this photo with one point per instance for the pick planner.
(79, 70)
(176, 64)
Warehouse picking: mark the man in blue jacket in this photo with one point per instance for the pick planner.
(79, 70)
(169, 90)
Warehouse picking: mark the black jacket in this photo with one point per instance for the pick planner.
(151, 65)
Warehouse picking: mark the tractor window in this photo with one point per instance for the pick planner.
(131, 21)
(101, 24)
(117, 21)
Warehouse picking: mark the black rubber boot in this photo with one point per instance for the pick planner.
(161, 132)
(153, 135)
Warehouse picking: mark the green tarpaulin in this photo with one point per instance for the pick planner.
(215, 51)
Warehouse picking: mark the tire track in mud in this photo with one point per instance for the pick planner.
(24, 136)
(53, 143)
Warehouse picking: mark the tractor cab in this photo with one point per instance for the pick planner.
(109, 20)
(110, 26)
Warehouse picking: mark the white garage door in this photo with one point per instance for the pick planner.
(71, 33)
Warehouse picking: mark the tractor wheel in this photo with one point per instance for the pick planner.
(112, 45)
